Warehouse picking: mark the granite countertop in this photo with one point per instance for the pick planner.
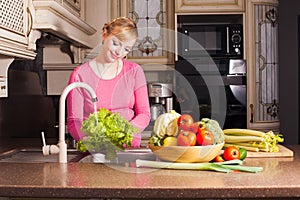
(280, 178)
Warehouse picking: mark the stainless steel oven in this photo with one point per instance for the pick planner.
(207, 76)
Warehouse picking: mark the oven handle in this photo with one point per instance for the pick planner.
(235, 79)
(235, 75)
(227, 39)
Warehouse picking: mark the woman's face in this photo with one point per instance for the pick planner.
(115, 49)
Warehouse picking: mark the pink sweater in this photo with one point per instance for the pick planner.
(126, 93)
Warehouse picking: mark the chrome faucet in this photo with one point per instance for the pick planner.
(61, 147)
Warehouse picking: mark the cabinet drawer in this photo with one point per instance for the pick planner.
(190, 6)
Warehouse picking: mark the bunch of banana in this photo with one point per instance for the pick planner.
(253, 140)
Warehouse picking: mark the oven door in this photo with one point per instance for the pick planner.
(194, 76)
(234, 103)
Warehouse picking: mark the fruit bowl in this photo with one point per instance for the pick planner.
(187, 154)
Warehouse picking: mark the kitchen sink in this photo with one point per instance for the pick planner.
(126, 156)
(35, 155)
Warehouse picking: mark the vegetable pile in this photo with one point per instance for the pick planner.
(173, 129)
(253, 140)
(106, 132)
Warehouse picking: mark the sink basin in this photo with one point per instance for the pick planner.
(126, 156)
(35, 155)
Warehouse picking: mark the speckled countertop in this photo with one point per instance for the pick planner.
(280, 178)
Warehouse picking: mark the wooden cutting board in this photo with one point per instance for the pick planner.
(283, 152)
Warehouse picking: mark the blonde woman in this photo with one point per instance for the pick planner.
(120, 85)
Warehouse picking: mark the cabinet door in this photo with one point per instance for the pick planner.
(155, 21)
(15, 27)
(73, 6)
(263, 67)
(190, 6)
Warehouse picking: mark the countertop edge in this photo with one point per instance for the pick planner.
(148, 193)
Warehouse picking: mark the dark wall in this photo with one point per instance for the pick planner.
(289, 73)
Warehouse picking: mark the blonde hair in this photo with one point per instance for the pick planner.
(123, 28)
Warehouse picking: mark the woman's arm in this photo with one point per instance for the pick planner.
(141, 107)
(142, 110)
(75, 104)
(142, 116)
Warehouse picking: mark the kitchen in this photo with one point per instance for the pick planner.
(288, 78)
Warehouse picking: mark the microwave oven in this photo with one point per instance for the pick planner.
(215, 40)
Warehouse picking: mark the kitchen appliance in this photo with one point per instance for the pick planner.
(160, 97)
(231, 72)
(217, 36)
(209, 60)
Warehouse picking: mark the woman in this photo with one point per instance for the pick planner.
(120, 85)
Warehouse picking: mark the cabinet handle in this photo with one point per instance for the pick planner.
(29, 22)
(251, 113)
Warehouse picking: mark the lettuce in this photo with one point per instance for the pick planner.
(106, 132)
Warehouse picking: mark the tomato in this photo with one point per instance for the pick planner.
(195, 126)
(218, 158)
(231, 153)
(185, 121)
(186, 138)
(205, 137)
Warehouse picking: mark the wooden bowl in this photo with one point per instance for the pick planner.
(187, 154)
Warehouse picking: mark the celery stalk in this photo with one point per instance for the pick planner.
(267, 150)
(235, 139)
(272, 140)
(252, 144)
(244, 132)
(251, 139)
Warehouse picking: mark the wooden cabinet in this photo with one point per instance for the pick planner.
(69, 36)
(194, 6)
(261, 53)
(16, 28)
(16, 36)
(64, 19)
(155, 21)
(74, 6)
(22, 22)
(262, 64)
